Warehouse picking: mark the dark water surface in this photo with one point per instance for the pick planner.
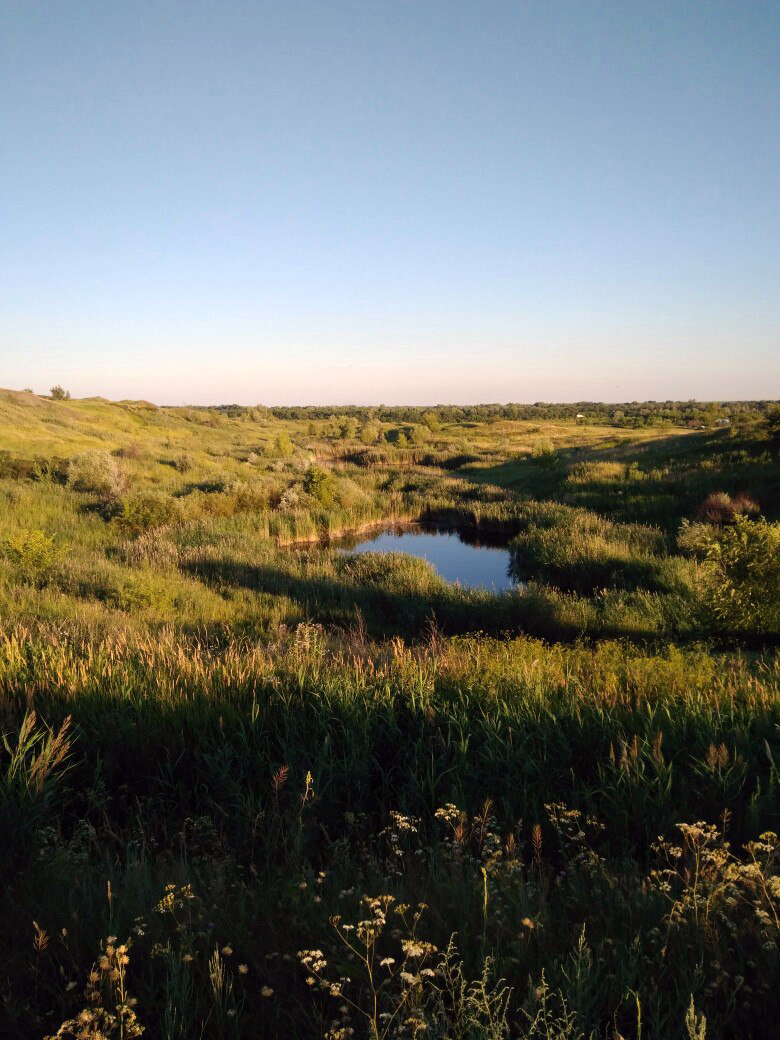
(473, 559)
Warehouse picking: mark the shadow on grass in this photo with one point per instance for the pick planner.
(385, 611)
(667, 485)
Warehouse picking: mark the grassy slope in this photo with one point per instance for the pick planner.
(197, 663)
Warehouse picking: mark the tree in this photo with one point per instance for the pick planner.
(349, 428)
(58, 394)
(370, 433)
(320, 485)
(283, 445)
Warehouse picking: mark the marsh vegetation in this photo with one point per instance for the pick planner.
(254, 786)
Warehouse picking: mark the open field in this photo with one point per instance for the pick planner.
(255, 788)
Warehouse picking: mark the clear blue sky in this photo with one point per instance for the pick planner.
(398, 201)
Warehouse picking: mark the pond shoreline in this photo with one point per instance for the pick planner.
(323, 538)
(463, 555)
(444, 525)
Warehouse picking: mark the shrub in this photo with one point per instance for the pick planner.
(146, 511)
(140, 592)
(96, 472)
(544, 454)
(743, 575)
(58, 394)
(773, 420)
(350, 495)
(320, 485)
(130, 451)
(289, 499)
(247, 497)
(283, 446)
(32, 553)
(40, 468)
(348, 429)
(744, 505)
(184, 463)
(720, 508)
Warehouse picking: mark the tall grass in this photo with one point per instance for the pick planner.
(251, 787)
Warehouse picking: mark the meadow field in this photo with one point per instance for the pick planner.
(253, 787)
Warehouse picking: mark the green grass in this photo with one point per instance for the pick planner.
(219, 733)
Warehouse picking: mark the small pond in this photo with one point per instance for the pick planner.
(474, 559)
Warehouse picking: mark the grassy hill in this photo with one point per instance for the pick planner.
(226, 744)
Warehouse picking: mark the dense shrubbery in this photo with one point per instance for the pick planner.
(15, 468)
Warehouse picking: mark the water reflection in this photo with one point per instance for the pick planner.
(473, 558)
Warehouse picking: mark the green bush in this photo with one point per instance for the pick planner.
(146, 511)
(320, 485)
(743, 575)
(544, 454)
(419, 434)
(32, 553)
(140, 592)
(370, 433)
(283, 446)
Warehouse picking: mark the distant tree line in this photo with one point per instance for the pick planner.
(632, 414)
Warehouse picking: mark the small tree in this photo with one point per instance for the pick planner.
(349, 428)
(58, 394)
(283, 445)
(320, 485)
(370, 433)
